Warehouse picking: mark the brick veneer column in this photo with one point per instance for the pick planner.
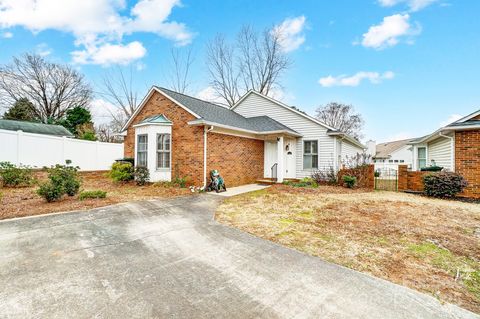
(467, 160)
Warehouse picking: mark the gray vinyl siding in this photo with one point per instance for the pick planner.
(255, 105)
(440, 150)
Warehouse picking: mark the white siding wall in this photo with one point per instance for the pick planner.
(255, 105)
(349, 150)
(440, 150)
(38, 150)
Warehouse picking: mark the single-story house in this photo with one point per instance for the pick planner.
(391, 154)
(176, 135)
(455, 147)
(35, 128)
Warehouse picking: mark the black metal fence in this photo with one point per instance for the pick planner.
(386, 179)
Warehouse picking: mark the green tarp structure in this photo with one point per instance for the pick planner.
(37, 128)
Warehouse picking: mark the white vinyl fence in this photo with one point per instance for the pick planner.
(39, 150)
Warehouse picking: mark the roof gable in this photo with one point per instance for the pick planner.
(385, 150)
(472, 116)
(291, 109)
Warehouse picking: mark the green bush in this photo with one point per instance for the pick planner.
(67, 177)
(51, 191)
(444, 184)
(304, 182)
(63, 179)
(92, 194)
(350, 181)
(180, 182)
(13, 176)
(122, 172)
(142, 175)
(431, 169)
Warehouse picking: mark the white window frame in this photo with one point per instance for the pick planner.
(163, 151)
(142, 151)
(419, 159)
(310, 154)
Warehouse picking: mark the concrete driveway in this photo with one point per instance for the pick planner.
(169, 259)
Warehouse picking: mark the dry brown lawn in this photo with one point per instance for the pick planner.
(19, 202)
(430, 245)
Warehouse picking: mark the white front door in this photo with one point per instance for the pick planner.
(290, 158)
(270, 158)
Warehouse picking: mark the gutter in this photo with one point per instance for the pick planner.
(205, 131)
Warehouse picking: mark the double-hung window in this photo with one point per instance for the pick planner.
(310, 154)
(422, 157)
(142, 150)
(163, 151)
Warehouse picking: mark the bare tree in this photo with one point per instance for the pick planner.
(107, 132)
(52, 88)
(118, 90)
(180, 69)
(342, 117)
(261, 59)
(225, 77)
(254, 62)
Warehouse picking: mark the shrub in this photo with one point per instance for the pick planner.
(304, 182)
(142, 175)
(376, 174)
(92, 194)
(67, 177)
(443, 184)
(51, 191)
(180, 182)
(121, 172)
(328, 176)
(350, 181)
(13, 176)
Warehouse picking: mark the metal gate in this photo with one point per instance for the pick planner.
(386, 179)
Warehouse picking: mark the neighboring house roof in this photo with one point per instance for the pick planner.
(384, 150)
(37, 128)
(207, 113)
(466, 123)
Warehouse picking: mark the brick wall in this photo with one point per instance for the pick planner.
(365, 176)
(410, 180)
(467, 160)
(239, 160)
(187, 141)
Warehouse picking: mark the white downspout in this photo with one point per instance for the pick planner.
(205, 131)
(452, 150)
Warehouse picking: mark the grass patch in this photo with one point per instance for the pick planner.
(92, 194)
(423, 243)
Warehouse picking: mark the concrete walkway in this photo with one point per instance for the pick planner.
(170, 259)
(233, 191)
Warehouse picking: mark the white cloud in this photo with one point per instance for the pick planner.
(356, 79)
(451, 118)
(7, 35)
(102, 111)
(43, 49)
(291, 33)
(107, 54)
(389, 32)
(414, 5)
(209, 94)
(96, 24)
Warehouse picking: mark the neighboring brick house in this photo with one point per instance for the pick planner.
(176, 135)
(455, 147)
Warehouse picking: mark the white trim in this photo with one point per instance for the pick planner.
(464, 128)
(153, 124)
(283, 105)
(201, 122)
(348, 138)
(145, 100)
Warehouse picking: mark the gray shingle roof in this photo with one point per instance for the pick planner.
(467, 123)
(37, 128)
(218, 114)
(384, 150)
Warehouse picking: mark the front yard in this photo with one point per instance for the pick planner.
(23, 201)
(426, 244)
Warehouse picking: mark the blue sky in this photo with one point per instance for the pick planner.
(407, 66)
